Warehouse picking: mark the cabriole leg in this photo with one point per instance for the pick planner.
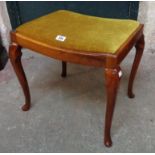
(15, 58)
(112, 82)
(139, 52)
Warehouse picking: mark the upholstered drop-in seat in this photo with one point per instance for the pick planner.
(80, 32)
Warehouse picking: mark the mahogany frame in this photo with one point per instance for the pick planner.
(109, 62)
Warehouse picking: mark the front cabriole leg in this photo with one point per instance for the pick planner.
(139, 52)
(15, 58)
(112, 77)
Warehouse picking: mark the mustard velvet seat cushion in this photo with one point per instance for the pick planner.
(83, 33)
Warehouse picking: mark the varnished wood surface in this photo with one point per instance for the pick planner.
(112, 77)
(139, 52)
(15, 58)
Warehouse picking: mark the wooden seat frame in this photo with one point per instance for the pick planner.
(109, 62)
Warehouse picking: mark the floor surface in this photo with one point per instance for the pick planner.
(67, 115)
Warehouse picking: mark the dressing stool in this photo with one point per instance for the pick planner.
(81, 39)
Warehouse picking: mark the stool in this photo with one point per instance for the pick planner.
(81, 39)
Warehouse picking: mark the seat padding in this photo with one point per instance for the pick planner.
(74, 31)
